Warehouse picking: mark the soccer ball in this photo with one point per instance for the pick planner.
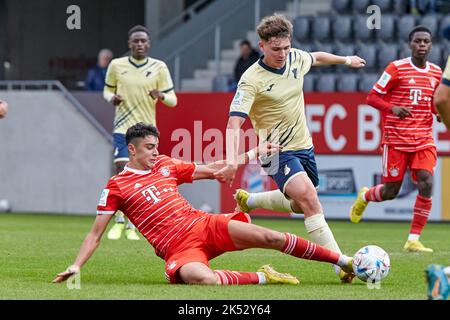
(371, 264)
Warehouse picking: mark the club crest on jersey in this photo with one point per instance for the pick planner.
(394, 172)
(164, 171)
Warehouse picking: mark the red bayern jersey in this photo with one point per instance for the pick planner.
(404, 84)
(150, 199)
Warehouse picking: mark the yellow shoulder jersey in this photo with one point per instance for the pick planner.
(446, 75)
(133, 81)
(273, 99)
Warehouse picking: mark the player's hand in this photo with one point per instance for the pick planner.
(226, 174)
(63, 276)
(268, 149)
(155, 94)
(117, 99)
(3, 109)
(357, 62)
(402, 112)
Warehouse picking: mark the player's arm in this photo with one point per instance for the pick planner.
(325, 59)
(165, 91)
(110, 88)
(442, 96)
(213, 170)
(88, 247)
(3, 109)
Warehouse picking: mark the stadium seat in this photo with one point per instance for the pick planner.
(387, 31)
(324, 46)
(404, 51)
(341, 6)
(369, 53)
(431, 22)
(435, 54)
(348, 82)
(344, 49)
(445, 22)
(404, 26)
(342, 28)
(308, 82)
(360, 30)
(221, 83)
(321, 28)
(385, 5)
(326, 83)
(360, 6)
(367, 80)
(302, 28)
(309, 47)
(386, 54)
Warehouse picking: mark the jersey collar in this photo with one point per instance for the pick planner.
(270, 69)
(424, 70)
(127, 168)
(137, 63)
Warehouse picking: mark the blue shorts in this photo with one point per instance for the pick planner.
(120, 148)
(290, 164)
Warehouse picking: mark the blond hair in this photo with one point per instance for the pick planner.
(275, 26)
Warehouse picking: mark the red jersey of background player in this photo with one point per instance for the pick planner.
(405, 85)
(150, 199)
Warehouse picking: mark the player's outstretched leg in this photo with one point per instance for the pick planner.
(358, 207)
(265, 275)
(271, 200)
(437, 282)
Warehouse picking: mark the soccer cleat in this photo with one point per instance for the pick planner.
(131, 234)
(438, 286)
(416, 246)
(346, 273)
(358, 207)
(241, 196)
(275, 277)
(116, 231)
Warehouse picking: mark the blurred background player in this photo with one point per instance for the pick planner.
(187, 238)
(404, 95)
(270, 93)
(3, 109)
(442, 94)
(95, 79)
(134, 84)
(248, 56)
(437, 277)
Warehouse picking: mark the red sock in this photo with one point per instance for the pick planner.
(302, 248)
(374, 193)
(422, 209)
(228, 277)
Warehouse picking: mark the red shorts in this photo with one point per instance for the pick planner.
(396, 162)
(208, 239)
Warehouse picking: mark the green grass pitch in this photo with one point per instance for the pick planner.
(34, 248)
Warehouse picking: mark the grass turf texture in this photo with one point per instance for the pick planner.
(34, 248)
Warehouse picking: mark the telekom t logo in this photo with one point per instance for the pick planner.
(415, 95)
(151, 194)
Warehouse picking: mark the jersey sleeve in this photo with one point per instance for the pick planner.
(185, 171)
(110, 199)
(388, 80)
(306, 62)
(111, 79)
(446, 75)
(165, 83)
(243, 99)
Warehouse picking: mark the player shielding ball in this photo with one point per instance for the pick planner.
(187, 238)
(404, 95)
